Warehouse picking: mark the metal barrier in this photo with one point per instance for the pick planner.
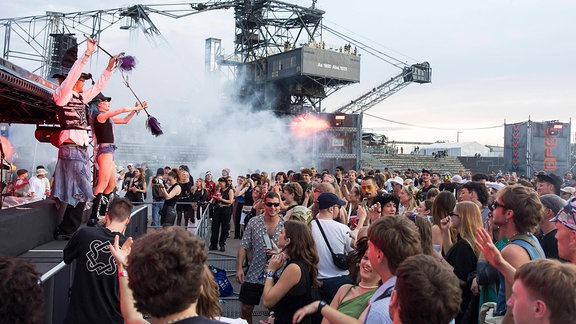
(201, 227)
(56, 284)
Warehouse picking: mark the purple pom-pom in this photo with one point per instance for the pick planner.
(154, 126)
(127, 63)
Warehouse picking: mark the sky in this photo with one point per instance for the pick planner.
(493, 62)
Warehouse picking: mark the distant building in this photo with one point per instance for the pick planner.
(459, 149)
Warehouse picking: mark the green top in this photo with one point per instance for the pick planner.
(355, 306)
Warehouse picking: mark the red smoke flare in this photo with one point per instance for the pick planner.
(306, 125)
(7, 147)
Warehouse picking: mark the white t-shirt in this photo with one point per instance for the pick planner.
(337, 235)
(38, 187)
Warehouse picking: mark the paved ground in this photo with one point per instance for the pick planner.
(227, 261)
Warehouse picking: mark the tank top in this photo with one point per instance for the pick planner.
(172, 201)
(534, 250)
(297, 297)
(104, 132)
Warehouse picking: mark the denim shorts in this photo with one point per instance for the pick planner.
(104, 148)
(72, 175)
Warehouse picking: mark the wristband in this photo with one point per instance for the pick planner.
(122, 274)
(269, 274)
(321, 305)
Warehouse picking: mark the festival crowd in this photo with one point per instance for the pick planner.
(329, 246)
(337, 247)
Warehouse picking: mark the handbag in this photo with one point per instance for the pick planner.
(340, 259)
(224, 286)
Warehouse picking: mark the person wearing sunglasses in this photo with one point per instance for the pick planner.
(369, 189)
(517, 210)
(463, 254)
(258, 232)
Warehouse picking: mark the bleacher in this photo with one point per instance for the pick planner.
(381, 160)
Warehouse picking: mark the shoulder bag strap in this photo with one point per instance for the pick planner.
(324, 236)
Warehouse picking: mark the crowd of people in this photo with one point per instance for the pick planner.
(344, 246)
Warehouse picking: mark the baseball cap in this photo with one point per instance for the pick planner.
(555, 180)
(456, 179)
(567, 215)
(397, 180)
(553, 202)
(328, 199)
(568, 190)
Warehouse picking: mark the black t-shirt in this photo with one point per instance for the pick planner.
(549, 244)
(95, 294)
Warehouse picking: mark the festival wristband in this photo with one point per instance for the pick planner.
(122, 274)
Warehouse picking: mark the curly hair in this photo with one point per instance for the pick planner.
(426, 291)
(386, 198)
(164, 269)
(526, 205)
(302, 247)
(208, 301)
(21, 294)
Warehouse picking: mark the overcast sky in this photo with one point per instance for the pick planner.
(492, 61)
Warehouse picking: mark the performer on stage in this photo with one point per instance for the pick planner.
(72, 174)
(103, 120)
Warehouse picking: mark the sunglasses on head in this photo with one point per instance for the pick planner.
(269, 204)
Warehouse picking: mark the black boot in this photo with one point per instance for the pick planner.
(93, 221)
(106, 198)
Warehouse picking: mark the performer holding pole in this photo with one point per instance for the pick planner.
(103, 120)
(72, 174)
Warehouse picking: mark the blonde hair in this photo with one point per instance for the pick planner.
(470, 221)
(412, 192)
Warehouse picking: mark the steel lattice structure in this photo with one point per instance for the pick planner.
(263, 27)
